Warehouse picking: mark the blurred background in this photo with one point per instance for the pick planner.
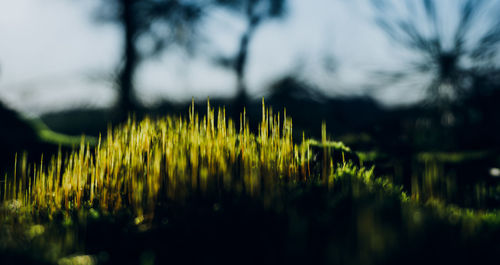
(413, 86)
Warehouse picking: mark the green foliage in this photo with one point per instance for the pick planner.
(148, 172)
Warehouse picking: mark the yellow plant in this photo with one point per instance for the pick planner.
(140, 163)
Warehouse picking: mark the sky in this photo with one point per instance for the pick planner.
(55, 56)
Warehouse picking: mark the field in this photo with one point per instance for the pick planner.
(208, 189)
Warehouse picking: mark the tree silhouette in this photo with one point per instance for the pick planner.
(160, 22)
(456, 57)
(255, 13)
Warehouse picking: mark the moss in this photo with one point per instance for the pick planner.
(145, 173)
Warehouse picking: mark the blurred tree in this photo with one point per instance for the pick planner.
(255, 12)
(456, 57)
(154, 24)
(454, 49)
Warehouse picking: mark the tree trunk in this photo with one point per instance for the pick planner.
(126, 98)
(241, 60)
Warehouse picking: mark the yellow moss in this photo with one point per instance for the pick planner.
(140, 162)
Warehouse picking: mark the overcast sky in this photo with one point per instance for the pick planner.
(53, 55)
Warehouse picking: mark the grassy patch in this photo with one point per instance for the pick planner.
(160, 190)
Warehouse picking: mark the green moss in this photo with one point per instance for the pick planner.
(159, 169)
(451, 157)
